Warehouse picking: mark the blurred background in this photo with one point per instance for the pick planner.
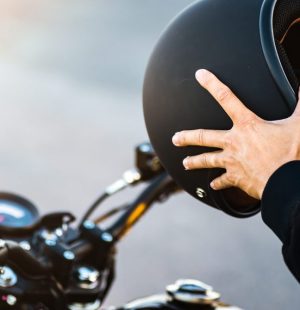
(71, 76)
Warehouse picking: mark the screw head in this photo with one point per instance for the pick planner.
(11, 300)
(69, 255)
(107, 237)
(145, 148)
(201, 192)
(50, 242)
(87, 277)
(88, 225)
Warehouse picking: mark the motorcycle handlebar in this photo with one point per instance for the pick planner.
(162, 185)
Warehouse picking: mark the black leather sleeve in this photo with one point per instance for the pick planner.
(281, 212)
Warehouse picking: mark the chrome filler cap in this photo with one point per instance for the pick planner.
(192, 292)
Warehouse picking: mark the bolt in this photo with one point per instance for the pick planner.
(200, 192)
(69, 255)
(107, 237)
(11, 300)
(59, 232)
(145, 148)
(89, 225)
(50, 242)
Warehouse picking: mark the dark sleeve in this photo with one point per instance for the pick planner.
(281, 212)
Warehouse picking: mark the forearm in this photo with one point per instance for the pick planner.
(281, 211)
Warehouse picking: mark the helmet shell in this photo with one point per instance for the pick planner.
(225, 38)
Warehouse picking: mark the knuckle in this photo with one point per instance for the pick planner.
(223, 93)
(231, 178)
(230, 161)
(215, 160)
(228, 141)
(220, 182)
(249, 122)
(200, 136)
(218, 160)
(204, 161)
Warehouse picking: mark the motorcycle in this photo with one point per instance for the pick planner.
(51, 262)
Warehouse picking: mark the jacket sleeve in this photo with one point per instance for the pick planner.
(281, 212)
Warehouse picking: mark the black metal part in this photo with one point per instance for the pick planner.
(148, 165)
(147, 162)
(56, 219)
(103, 243)
(12, 253)
(110, 213)
(54, 251)
(93, 207)
(54, 265)
(161, 186)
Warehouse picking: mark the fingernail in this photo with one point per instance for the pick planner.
(186, 163)
(212, 185)
(175, 139)
(201, 75)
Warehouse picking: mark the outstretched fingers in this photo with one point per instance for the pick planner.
(200, 137)
(221, 182)
(234, 108)
(204, 161)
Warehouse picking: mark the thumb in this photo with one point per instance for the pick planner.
(297, 109)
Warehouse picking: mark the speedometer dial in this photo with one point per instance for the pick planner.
(16, 213)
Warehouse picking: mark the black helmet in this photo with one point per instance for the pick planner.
(251, 45)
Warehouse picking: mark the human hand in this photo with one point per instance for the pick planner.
(250, 151)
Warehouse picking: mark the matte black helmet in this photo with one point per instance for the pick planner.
(253, 46)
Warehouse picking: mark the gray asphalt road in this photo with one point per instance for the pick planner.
(70, 88)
